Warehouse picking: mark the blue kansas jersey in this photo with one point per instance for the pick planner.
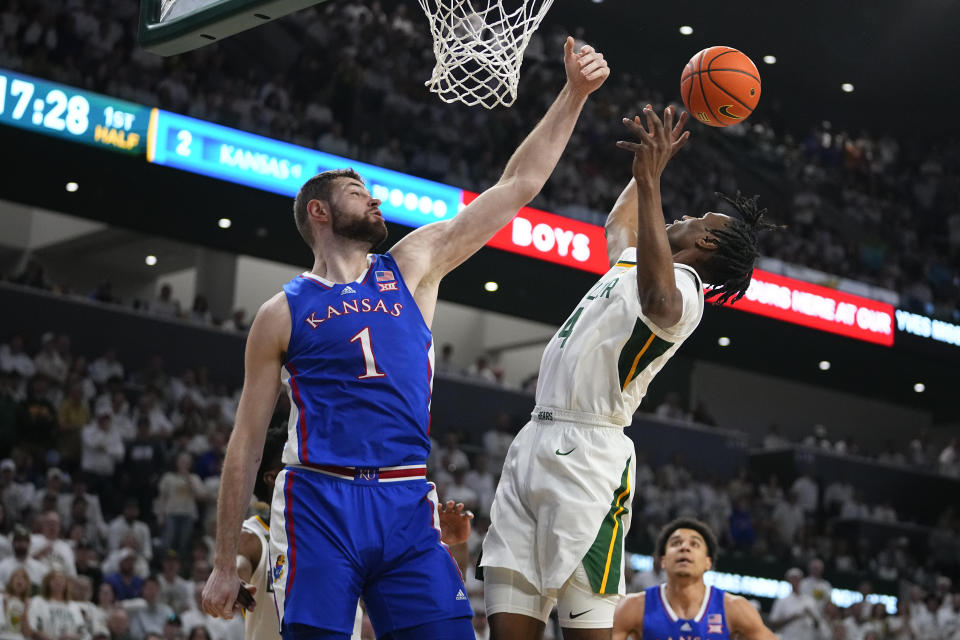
(359, 371)
(660, 622)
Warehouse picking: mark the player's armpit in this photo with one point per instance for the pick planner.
(628, 618)
(745, 620)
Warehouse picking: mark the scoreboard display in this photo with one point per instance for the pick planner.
(73, 114)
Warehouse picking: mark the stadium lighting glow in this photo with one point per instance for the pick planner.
(919, 387)
(224, 223)
(770, 59)
(686, 30)
(824, 365)
(847, 87)
(491, 286)
(723, 341)
(150, 260)
(72, 187)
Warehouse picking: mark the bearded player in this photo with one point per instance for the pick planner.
(353, 515)
(685, 607)
(562, 507)
(253, 560)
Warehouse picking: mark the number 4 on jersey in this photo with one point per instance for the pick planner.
(366, 344)
(567, 327)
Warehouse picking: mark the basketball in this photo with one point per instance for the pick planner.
(720, 86)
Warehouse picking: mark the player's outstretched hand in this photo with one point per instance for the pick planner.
(221, 593)
(655, 144)
(454, 522)
(586, 70)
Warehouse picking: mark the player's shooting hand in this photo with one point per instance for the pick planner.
(586, 70)
(220, 593)
(454, 522)
(656, 143)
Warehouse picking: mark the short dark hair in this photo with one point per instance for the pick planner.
(687, 523)
(729, 269)
(272, 455)
(316, 188)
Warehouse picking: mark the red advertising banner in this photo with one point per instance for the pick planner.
(817, 307)
(547, 236)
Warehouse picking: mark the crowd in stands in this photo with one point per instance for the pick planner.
(868, 207)
(109, 472)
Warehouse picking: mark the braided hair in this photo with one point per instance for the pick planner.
(731, 265)
(271, 459)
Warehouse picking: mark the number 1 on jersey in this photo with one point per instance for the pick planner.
(368, 358)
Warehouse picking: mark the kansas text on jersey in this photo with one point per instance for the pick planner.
(359, 371)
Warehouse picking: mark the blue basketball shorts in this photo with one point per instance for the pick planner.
(335, 539)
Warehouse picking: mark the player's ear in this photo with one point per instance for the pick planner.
(270, 478)
(709, 563)
(706, 242)
(318, 209)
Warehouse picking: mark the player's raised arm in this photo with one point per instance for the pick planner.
(434, 250)
(621, 226)
(744, 619)
(261, 385)
(656, 285)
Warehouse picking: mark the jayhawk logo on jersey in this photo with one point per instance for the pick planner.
(278, 567)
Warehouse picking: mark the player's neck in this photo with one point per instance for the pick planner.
(685, 595)
(341, 263)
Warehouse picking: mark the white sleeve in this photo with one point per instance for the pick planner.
(692, 311)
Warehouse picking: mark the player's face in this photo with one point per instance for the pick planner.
(684, 233)
(356, 214)
(686, 554)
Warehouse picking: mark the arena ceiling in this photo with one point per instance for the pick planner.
(898, 55)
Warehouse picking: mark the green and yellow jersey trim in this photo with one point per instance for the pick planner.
(604, 559)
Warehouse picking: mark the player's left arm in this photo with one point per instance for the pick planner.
(742, 618)
(432, 251)
(621, 225)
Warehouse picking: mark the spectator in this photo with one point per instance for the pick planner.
(102, 450)
(81, 593)
(177, 504)
(78, 520)
(497, 441)
(13, 605)
(482, 482)
(17, 497)
(175, 590)
(21, 559)
(796, 616)
(49, 614)
(128, 524)
(78, 489)
(106, 367)
(671, 408)
(815, 586)
(48, 548)
(14, 359)
(788, 517)
(773, 439)
(118, 623)
(37, 419)
(481, 370)
(73, 415)
(87, 564)
(142, 465)
(164, 304)
(151, 614)
(807, 492)
(126, 584)
(458, 490)
(160, 425)
(48, 362)
(742, 534)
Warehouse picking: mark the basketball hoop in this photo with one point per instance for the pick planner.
(479, 48)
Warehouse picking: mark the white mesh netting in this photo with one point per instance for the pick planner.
(479, 47)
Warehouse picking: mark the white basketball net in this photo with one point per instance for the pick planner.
(479, 48)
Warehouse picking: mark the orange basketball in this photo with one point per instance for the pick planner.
(720, 86)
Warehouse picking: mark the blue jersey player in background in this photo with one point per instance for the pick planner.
(353, 514)
(684, 608)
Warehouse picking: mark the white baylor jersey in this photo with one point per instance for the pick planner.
(261, 623)
(603, 358)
